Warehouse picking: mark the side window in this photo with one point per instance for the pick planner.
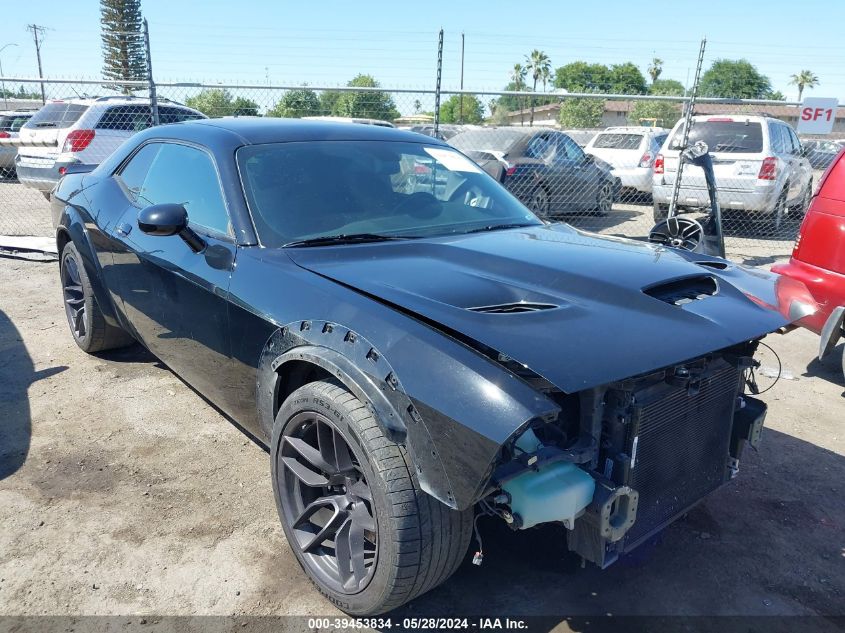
(540, 147)
(135, 171)
(568, 149)
(132, 118)
(778, 141)
(186, 175)
(796, 144)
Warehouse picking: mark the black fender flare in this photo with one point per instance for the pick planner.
(72, 224)
(356, 363)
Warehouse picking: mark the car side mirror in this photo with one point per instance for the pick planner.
(169, 219)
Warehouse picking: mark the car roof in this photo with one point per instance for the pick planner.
(643, 129)
(258, 130)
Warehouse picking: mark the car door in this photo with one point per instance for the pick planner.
(802, 169)
(584, 177)
(175, 299)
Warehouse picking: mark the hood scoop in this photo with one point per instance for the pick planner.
(682, 291)
(513, 308)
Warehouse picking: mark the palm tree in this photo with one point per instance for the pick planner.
(804, 79)
(536, 62)
(518, 75)
(417, 106)
(546, 76)
(655, 68)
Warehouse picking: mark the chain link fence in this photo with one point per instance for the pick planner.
(603, 163)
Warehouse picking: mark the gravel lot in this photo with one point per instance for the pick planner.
(123, 492)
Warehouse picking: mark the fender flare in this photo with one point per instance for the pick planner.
(73, 225)
(832, 330)
(366, 373)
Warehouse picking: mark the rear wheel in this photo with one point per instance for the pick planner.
(351, 506)
(86, 321)
(780, 211)
(604, 198)
(801, 209)
(539, 202)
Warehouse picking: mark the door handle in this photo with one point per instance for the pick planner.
(124, 229)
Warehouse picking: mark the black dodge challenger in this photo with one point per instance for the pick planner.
(415, 353)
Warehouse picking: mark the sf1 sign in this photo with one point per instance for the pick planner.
(817, 115)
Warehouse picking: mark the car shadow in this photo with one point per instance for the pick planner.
(829, 369)
(597, 223)
(781, 498)
(17, 373)
(135, 353)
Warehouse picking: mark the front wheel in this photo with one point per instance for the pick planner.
(351, 506)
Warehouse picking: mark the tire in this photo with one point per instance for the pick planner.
(604, 199)
(86, 321)
(661, 212)
(539, 203)
(800, 210)
(411, 541)
(780, 211)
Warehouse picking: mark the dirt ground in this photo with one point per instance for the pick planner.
(123, 492)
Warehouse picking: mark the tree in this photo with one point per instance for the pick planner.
(655, 68)
(297, 103)
(417, 106)
(581, 113)
(473, 109)
(583, 77)
(666, 113)
(734, 79)
(804, 79)
(123, 43)
(218, 102)
(775, 95)
(669, 87)
(627, 79)
(518, 75)
(371, 105)
(538, 64)
(328, 101)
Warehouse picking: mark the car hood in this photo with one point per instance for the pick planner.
(579, 309)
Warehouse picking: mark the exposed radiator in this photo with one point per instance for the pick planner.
(679, 438)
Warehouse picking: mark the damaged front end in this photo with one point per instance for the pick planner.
(625, 459)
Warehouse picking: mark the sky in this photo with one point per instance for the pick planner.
(327, 42)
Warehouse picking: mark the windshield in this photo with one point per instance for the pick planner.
(730, 137)
(303, 190)
(13, 122)
(57, 115)
(498, 140)
(618, 141)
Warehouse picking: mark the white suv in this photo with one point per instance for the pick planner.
(630, 151)
(86, 131)
(758, 162)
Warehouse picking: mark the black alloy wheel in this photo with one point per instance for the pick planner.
(327, 503)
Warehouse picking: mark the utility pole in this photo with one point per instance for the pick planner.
(152, 84)
(36, 31)
(461, 119)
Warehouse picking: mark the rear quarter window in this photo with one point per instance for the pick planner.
(126, 118)
(57, 115)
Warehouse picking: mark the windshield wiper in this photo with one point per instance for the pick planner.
(500, 227)
(345, 238)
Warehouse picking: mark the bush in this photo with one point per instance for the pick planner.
(581, 112)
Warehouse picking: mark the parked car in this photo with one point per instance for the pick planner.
(444, 132)
(83, 131)
(821, 153)
(582, 136)
(818, 259)
(424, 353)
(758, 162)
(631, 152)
(10, 124)
(347, 119)
(544, 168)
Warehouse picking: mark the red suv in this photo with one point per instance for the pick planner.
(818, 258)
